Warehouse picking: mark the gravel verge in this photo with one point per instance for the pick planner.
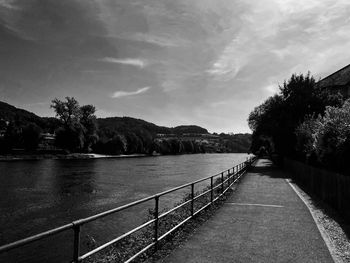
(334, 229)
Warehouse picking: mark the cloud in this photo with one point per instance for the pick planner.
(226, 56)
(219, 103)
(163, 41)
(236, 55)
(7, 4)
(120, 93)
(126, 61)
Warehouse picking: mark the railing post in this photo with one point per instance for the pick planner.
(211, 190)
(192, 199)
(76, 248)
(229, 178)
(222, 182)
(156, 217)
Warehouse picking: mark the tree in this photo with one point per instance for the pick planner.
(31, 136)
(67, 111)
(79, 127)
(13, 136)
(279, 116)
(306, 135)
(265, 121)
(70, 138)
(332, 140)
(89, 123)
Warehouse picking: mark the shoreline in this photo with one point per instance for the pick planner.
(71, 156)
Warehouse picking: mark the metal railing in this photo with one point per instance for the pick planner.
(225, 180)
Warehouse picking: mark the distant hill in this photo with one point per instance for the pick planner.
(189, 129)
(22, 117)
(11, 113)
(123, 124)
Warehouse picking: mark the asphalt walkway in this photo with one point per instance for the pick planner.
(263, 221)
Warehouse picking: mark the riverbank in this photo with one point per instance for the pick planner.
(70, 156)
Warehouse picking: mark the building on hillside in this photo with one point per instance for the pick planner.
(338, 81)
(47, 141)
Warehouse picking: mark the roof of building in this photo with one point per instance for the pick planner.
(339, 78)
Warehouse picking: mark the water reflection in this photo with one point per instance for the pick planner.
(80, 181)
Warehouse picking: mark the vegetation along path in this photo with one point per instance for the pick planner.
(264, 221)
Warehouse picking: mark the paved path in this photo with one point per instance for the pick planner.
(263, 221)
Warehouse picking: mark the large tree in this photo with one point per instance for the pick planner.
(67, 111)
(79, 129)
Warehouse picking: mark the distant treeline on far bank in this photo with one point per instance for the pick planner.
(76, 129)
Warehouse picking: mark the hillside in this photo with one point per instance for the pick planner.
(124, 124)
(21, 117)
(11, 113)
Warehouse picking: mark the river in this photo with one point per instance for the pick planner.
(38, 195)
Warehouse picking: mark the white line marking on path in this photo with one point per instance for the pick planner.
(324, 234)
(246, 204)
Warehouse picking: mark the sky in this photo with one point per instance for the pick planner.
(170, 62)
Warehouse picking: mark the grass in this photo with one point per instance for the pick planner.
(132, 244)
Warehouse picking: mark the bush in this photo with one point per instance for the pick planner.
(306, 136)
(333, 138)
(326, 140)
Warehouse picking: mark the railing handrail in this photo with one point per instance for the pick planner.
(75, 225)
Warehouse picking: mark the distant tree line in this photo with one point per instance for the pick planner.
(77, 129)
(305, 122)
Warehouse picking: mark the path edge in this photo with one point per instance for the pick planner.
(320, 228)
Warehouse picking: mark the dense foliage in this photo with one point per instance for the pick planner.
(305, 122)
(278, 117)
(19, 128)
(326, 139)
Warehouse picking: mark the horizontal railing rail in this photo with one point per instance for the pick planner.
(232, 175)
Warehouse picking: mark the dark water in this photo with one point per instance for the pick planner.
(39, 195)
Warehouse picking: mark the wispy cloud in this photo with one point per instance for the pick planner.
(7, 4)
(120, 93)
(163, 41)
(126, 61)
(229, 63)
(219, 103)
